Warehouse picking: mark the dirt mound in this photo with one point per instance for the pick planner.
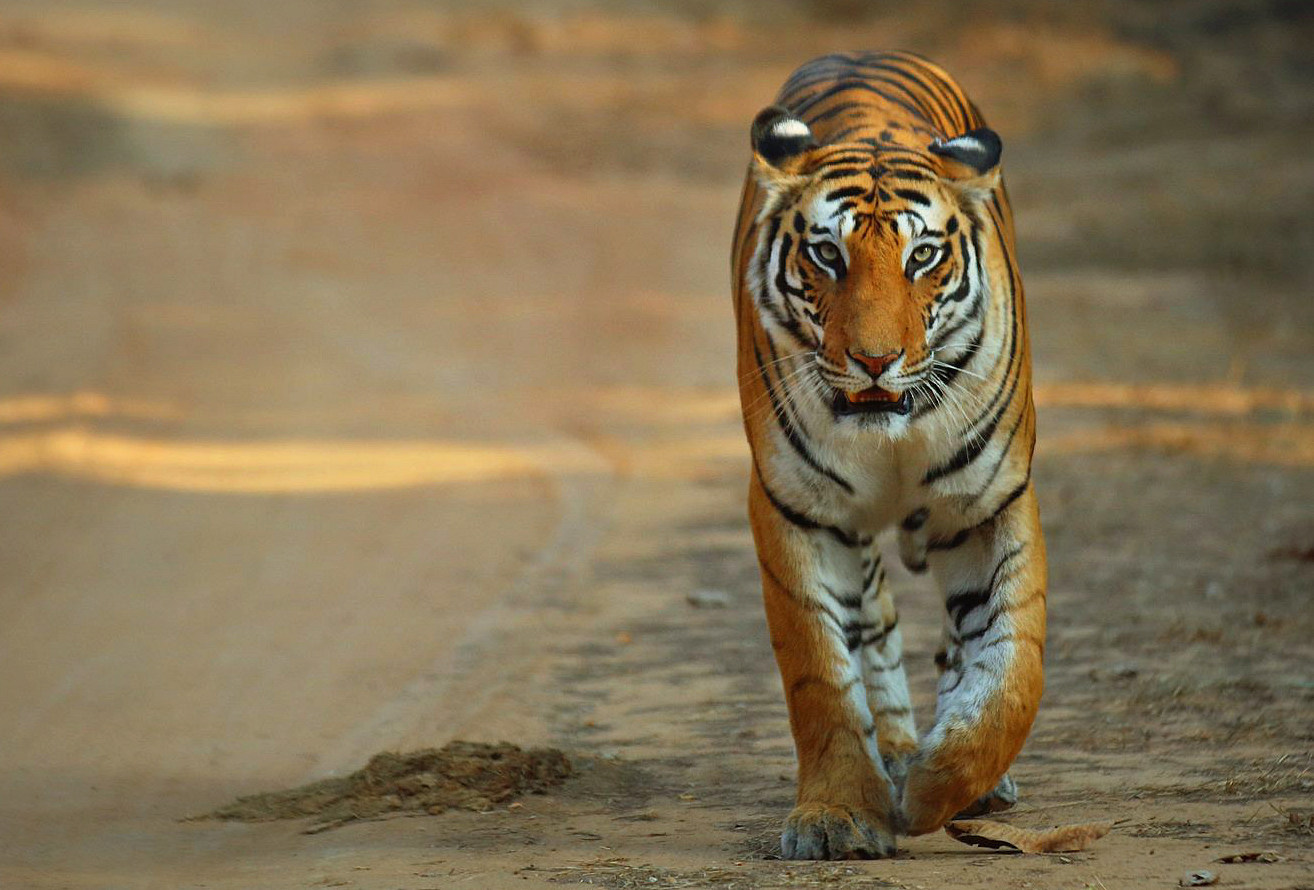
(460, 775)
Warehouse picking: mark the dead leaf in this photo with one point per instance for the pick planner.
(1001, 836)
(1199, 878)
(1261, 856)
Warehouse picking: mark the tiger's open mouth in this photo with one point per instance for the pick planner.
(872, 400)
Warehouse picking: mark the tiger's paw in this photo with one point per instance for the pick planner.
(932, 795)
(825, 831)
(1002, 797)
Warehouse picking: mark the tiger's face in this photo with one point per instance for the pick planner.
(871, 258)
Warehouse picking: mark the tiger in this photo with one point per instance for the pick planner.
(885, 383)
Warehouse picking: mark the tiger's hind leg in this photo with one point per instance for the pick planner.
(1002, 797)
(881, 659)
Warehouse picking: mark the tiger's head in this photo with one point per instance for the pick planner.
(870, 256)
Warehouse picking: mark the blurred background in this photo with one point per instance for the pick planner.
(368, 381)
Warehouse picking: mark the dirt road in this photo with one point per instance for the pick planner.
(368, 383)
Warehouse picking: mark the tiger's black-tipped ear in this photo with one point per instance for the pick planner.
(781, 142)
(979, 149)
(970, 162)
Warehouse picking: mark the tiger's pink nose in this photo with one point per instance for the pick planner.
(875, 364)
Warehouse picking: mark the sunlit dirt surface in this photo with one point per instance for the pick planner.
(368, 384)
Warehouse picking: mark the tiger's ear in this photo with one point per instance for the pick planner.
(781, 143)
(970, 162)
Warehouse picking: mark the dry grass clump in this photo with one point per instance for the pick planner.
(460, 775)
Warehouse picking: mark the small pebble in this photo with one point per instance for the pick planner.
(708, 599)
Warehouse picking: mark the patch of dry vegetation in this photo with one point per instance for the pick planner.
(460, 776)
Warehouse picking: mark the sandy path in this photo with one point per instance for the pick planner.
(368, 385)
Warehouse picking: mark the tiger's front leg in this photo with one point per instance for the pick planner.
(989, 690)
(846, 805)
(879, 642)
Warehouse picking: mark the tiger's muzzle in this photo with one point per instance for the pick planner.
(875, 399)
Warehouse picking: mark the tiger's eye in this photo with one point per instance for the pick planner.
(828, 252)
(923, 254)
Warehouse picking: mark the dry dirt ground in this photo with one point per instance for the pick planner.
(368, 384)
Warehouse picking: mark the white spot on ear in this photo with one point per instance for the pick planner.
(965, 144)
(789, 128)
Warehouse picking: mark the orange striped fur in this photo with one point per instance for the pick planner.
(885, 379)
